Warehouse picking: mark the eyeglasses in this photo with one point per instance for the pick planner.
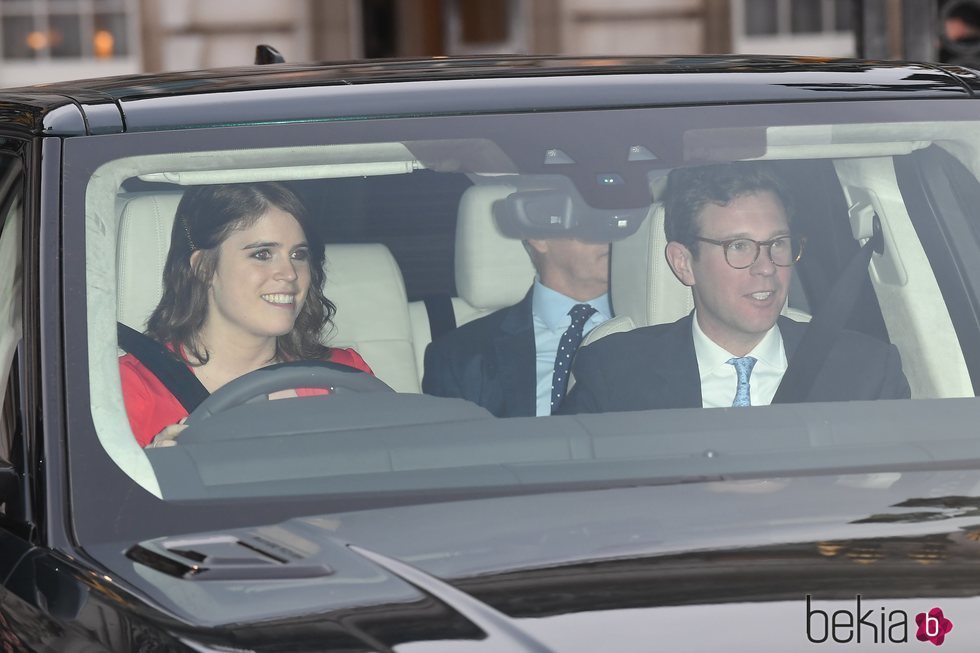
(740, 253)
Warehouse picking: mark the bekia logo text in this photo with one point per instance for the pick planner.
(874, 625)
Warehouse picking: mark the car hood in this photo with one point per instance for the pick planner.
(699, 565)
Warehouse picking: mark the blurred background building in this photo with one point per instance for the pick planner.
(50, 40)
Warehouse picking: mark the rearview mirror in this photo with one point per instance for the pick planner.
(543, 214)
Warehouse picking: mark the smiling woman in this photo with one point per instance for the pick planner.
(243, 289)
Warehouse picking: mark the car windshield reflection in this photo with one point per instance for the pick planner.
(514, 307)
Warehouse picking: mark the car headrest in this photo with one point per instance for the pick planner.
(492, 271)
(143, 243)
(366, 284)
(642, 285)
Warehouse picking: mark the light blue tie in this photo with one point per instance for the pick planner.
(743, 367)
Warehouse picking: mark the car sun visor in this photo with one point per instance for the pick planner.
(723, 144)
(557, 213)
(283, 173)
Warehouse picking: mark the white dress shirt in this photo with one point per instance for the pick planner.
(719, 379)
(549, 311)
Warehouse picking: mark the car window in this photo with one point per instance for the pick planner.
(431, 224)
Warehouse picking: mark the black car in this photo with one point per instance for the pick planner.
(383, 518)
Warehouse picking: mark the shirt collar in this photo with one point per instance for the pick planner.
(552, 307)
(712, 357)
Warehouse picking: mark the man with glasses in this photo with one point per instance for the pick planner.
(730, 240)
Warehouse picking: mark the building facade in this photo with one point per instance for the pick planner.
(49, 40)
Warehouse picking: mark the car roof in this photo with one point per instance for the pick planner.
(296, 92)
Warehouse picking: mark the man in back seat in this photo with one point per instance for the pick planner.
(515, 362)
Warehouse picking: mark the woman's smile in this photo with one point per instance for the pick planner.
(285, 300)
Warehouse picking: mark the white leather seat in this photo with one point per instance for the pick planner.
(642, 287)
(366, 284)
(492, 271)
(143, 242)
(363, 280)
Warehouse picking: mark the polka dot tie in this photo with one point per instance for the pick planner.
(570, 340)
(743, 368)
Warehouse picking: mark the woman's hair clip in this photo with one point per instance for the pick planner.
(187, 231)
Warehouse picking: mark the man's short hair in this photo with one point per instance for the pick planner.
(690, 189)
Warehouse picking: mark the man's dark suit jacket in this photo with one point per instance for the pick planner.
(656, 367)
(490, 361)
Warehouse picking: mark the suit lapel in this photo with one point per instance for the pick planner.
(791, 332)
(664, 369)
(679, 366)
(515, 360)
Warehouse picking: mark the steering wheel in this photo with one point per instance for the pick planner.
(335, 377)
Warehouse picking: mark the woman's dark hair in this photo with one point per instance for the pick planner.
(690, 189)
(205, 217)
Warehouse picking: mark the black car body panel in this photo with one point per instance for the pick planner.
(235, 95)
(518, 565)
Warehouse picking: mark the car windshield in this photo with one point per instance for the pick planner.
(454, 252)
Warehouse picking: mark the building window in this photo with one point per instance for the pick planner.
(66, 29)
(784, 17)
(822, 28)
(484, 22)
(485, 26)
(760, 17)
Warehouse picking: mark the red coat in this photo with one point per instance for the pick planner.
(151, 407)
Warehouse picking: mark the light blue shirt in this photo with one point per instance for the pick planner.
(549, 310)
